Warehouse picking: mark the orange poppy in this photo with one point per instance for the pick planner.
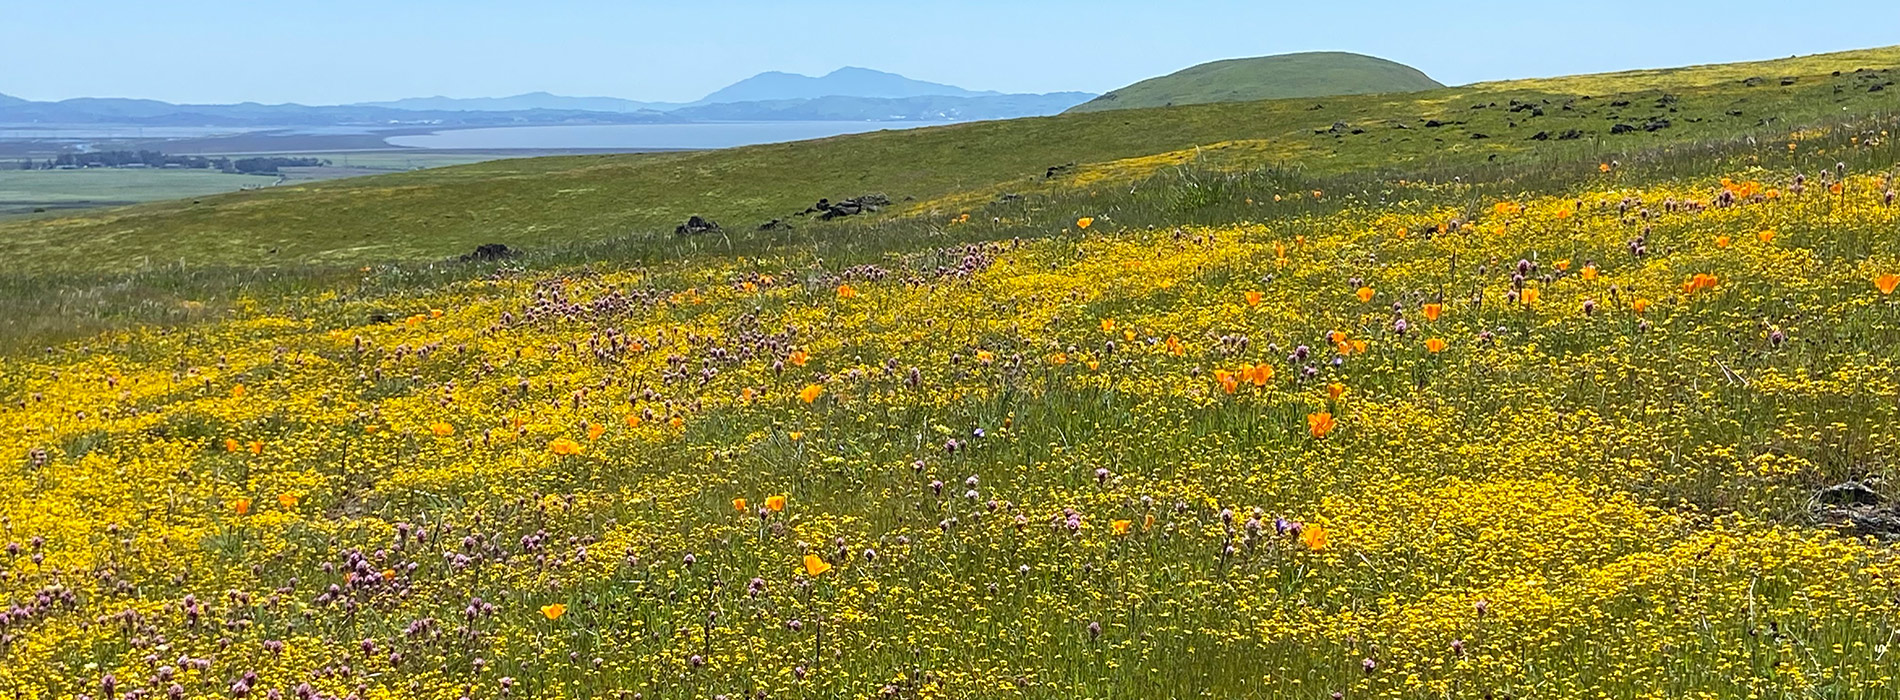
(1083, 223)
(798, 357)
(1313, 536)
(1603, 167)
(1319, 424)
(1563, 265)
(1120, 526)
(1253, 297)
(1228, 382)
(1529, 297)
(747, 394)
(633, 421)
(554, 612)
(237, 391)
(1589, 272)
(1765, 236)
(257, 447)
(1432, 311)
(1335, 390)
(811, 393)
(241, 506)
(287, 501)
(676, 421)
(738, 504)
(846, 291)
(231, 445)
(1108, 325)
(595, 430)
(815, 566)
(775, 503)
(1176, 347)
(441, 429)
(1258, 374)
(1721, 241)
(1435, 345)
(1887, 282)
(1640, 305)
(564, 447)
(985, 356)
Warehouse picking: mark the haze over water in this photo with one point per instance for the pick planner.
(643, 136)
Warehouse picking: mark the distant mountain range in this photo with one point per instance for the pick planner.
(772, 86)
(844, 82)
(846, 94)
(532, 100)
(923, 108)
(96, 110)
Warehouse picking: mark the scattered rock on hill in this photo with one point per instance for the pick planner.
(1787, 81)
(1851, 493)
(775, 225)
(1855, 506)
(489, 251)
(696, 225)
(1755, 81)
(1656, 125)
(1570, 135)
(828, 210)
(1622, 129)
(1055, 170)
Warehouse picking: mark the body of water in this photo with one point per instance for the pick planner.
(642, 136)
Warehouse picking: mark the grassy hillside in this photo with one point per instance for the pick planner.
(1296, 75)
(939, 172)
(1412, 441)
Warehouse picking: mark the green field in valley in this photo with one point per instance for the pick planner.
(22, 191)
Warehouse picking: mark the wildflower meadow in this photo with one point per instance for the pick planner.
(1624, 436)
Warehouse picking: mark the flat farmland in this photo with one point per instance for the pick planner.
(23, 191)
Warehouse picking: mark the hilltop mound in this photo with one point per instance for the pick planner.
(1315, 74)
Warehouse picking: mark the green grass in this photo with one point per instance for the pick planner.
(28, 189)
(544, 202)
(1296, 75)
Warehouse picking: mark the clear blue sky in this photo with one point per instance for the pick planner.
(337, 51)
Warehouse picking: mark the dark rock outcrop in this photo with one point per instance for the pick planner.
(696, 225)
(489, 251)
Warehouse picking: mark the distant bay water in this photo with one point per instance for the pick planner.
(695, 135)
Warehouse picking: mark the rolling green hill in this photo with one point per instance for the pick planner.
(1314, 74)
(944, 171)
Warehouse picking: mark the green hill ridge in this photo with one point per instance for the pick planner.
(1284, 76)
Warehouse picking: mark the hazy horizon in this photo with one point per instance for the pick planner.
(210, 52)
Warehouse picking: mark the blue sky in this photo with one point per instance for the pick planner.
(335, 51)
